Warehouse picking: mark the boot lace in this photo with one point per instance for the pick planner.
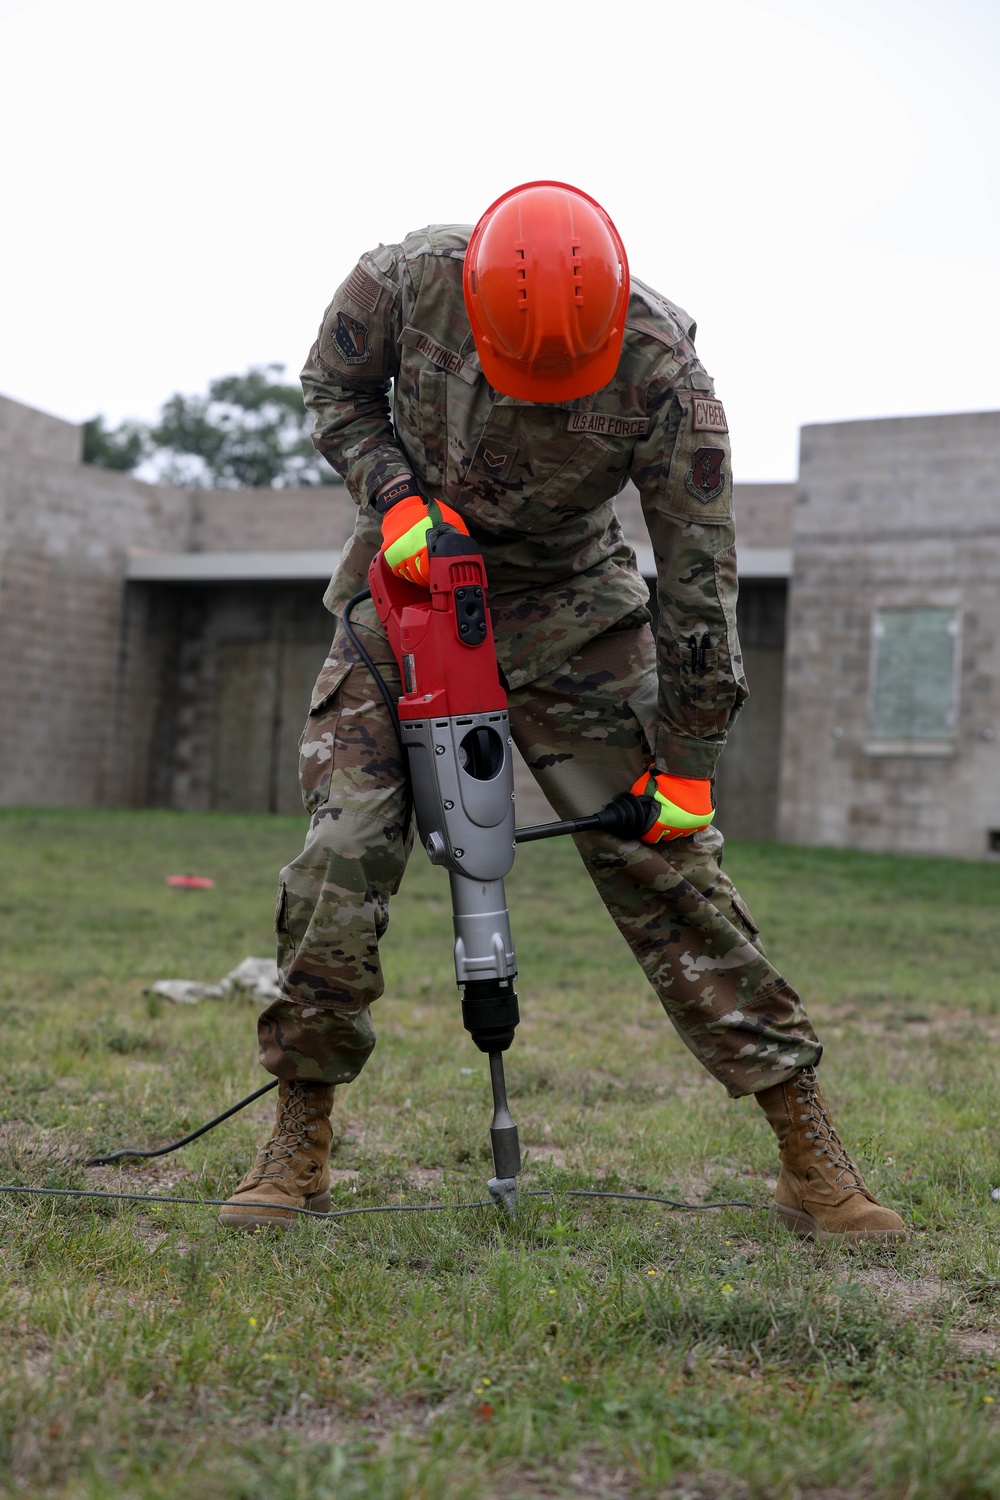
(823, 1133)
(293, 1129)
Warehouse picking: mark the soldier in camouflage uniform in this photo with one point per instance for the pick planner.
(594, 701)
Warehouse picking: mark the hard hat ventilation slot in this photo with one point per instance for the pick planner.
(522, 276)
(577, 272)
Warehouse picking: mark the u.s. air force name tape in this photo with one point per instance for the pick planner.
(606, 425)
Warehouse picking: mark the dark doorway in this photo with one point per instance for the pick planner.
(233, 666)
(746, 786)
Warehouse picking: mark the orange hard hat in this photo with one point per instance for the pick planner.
(546, 289)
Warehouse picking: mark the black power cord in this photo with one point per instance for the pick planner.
(311, 1213)
(374, 1208)
(387, 698)
(103, 1161)
(380, 681)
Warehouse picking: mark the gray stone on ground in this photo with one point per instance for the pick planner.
(253, 979)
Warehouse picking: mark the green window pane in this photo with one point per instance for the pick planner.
(915, 659)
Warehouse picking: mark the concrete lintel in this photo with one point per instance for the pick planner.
(227, 567)
(753, 562)
(220, 567)
(919, 749)
(764, 562)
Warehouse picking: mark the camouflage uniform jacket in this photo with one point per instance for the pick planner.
(536, 483)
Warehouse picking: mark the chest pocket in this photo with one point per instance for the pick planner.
(530, 473)
(420, 415)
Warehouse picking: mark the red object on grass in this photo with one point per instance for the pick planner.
(191, 882)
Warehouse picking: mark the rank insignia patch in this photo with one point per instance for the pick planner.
(708, 415)
(351, 339)
(496, 457)
(705, 479)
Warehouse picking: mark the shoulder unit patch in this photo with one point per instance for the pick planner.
(351, 338)
(705, 479)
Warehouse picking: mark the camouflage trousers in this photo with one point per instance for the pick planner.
(580, 731)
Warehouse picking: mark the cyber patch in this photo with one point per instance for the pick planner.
(708, 415)
(351, 338)
(705, 479)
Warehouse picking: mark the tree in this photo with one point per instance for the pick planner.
(250, 431)
(124, 448)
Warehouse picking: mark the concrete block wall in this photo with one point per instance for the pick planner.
(107, 693)
(88, 667)
(764, 514)
(111, 693)
(270, 520)
(64, 532)
(33, 436)
(897, 513)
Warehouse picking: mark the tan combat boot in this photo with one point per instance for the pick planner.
(820, 1193)
(292, 1167)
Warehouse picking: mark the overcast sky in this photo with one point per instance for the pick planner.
(183, 185)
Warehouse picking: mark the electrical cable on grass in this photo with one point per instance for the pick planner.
(373, 1208)
(103, 1161)
(311, 1213)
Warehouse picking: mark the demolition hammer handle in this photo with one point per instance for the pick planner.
(627, 816)
(537, 831)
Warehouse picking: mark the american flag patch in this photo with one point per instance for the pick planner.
(363, 288)
(708, 415)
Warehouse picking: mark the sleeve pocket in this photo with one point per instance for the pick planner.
(700, 478)
(699, 681)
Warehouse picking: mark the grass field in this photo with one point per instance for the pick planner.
(584, 1348)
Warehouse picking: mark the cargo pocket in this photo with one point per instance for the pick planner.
(319, 737)
(285, 953)
(744, 918)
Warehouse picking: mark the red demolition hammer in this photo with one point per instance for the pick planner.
(455, 732)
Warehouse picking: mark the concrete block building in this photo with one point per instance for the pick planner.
(157, 646)
(891, 734)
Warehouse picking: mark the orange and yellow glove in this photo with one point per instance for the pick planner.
(404, 535)
(682, 804)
